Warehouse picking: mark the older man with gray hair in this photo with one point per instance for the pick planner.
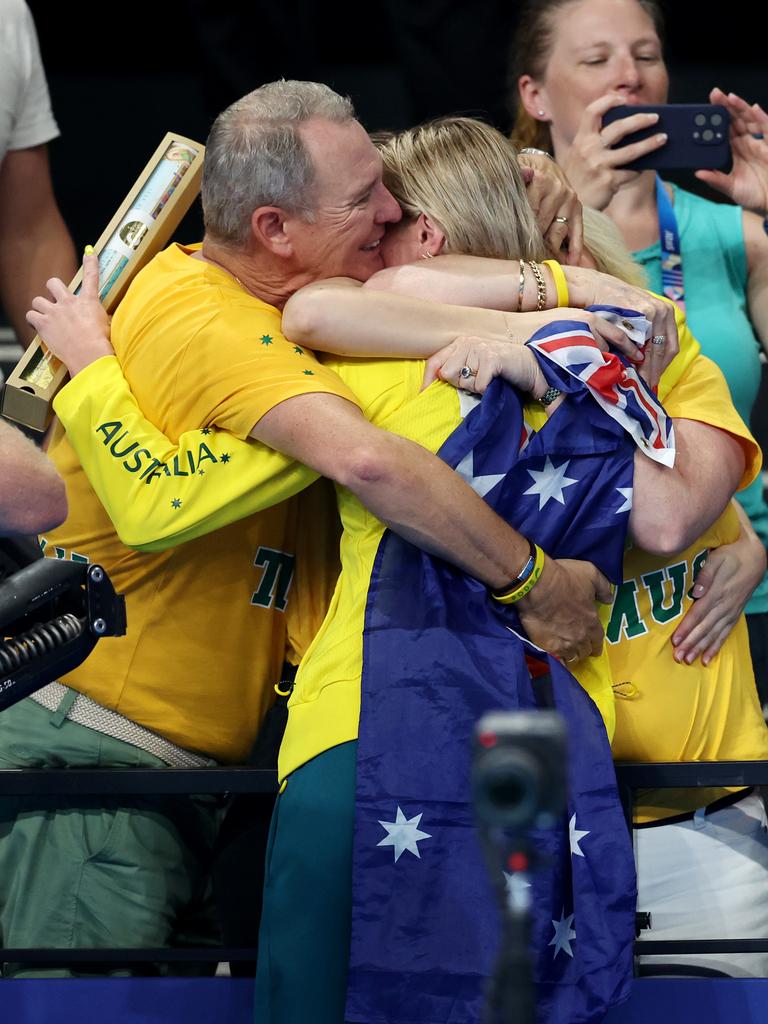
(292, 193)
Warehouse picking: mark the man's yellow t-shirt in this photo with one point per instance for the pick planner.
(207, 620)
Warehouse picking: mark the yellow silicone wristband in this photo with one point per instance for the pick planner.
(519, 592)
(563, 299)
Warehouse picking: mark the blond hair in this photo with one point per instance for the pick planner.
(464, 175)
(603, 240)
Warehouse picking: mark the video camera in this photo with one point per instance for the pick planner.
(518, 785)
(52, 613)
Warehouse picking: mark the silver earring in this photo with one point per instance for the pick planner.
(541, 113)
(427, 255)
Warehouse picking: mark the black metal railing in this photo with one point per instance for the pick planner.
(632, 775)
(164, 781)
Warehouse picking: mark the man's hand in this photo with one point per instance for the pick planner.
(74, 327)
(555, 205)
(560, 615)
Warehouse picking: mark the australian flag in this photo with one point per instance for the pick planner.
(438, 654)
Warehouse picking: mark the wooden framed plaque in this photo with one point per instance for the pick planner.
(141, 227)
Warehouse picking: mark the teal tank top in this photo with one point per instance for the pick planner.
(715, 281)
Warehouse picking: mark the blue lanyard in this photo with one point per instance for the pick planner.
(671, 257)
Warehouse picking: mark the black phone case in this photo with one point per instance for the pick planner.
(697, 136)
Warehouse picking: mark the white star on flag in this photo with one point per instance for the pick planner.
(575, 836)
(626, 493)
(404, 834)
(515, 885)
(563, 934)
(480, 484)
(550, 482)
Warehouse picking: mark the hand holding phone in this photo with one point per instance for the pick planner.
(596, 170)
(697, 136)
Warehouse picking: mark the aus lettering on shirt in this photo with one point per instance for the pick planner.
(137, 459)
(667, 590)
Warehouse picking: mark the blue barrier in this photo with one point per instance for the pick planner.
(694, 1001)
(127, 1001)
(229, 1001)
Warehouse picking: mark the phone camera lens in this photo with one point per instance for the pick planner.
(700, 119)
(716, 119)
(707, 135)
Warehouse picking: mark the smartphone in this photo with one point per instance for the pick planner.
(698, 136)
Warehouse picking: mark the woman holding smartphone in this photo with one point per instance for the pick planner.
(574, 61)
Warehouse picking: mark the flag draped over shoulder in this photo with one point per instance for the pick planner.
(438, 654)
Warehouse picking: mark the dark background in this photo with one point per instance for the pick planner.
(122, 76)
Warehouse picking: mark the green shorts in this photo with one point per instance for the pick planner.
(97, 871)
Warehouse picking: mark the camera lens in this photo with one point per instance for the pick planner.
(707, 135)
(508, 788)
(716, 119)
(700, 119)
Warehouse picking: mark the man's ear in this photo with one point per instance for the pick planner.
(268, 227)
(533, 97)
(430, 235)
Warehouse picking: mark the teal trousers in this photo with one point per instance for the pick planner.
(305, 926)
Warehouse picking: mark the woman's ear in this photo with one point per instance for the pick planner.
(533, 97)
(431, 236)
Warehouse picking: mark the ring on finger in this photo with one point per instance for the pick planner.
(466, 372)
(569, 661)
(658, 339)
(561, 220)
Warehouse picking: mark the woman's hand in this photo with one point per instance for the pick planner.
(722, 588)
(509, 358)
(74, 327)
(592, 288)
(592, 167)
(481, 360)
(747, 182)
(555, 205)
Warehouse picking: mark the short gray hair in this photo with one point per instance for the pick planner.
(255, 155)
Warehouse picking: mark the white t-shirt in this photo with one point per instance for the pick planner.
(26, 118)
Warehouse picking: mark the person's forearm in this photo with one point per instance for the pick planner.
(467, 281)
(161, 494)
(428, 504)
(332, 316)
(398, 481)
(33, 498)
(672, 507)
(26, 263)
(34, 242)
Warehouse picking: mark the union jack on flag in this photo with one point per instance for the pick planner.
(618, 389)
